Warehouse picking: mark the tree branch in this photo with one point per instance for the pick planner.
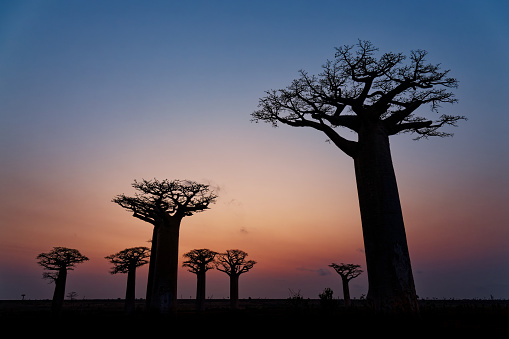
(347, 146)
(427, 128)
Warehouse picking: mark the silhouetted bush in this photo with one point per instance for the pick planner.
(327, 302)
(297, 301)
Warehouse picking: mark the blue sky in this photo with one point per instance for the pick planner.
(94, 94)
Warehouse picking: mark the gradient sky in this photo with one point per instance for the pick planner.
(95, 94)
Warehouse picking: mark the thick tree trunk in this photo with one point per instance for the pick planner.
(234, 291)
(346, 292)
(59, 293)
(200, 291)
(130, 290)
(391, 284)
(164, 290)
(151, 268)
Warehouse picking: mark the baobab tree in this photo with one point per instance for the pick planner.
(199, 261)
(375, 96)
(126, 261)
(58, 261)
(347, 273)
(234, 263)
(164, 204)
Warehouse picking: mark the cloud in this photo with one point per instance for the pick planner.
(320, 271)
(233, 202)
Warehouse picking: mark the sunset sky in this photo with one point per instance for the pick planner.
(96, 94)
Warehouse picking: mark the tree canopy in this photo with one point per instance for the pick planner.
(347, 271)
(199, 260)
(60, 258)
(125, 260)
(177, 198)
(234, 262)
(360, 86)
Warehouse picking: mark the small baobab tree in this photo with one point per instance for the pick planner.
(58, 261)
(126, 261)
(72, 295)
(164, 204)
(347, 273)
(234, 263)
(199, 261)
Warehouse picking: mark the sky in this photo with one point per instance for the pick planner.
(96, 94)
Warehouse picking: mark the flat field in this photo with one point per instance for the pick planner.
(256, 317)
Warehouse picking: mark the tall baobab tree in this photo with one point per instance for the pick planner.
(199, 261)
(234, 263)
(375, 96)
(347, 273)
(164, 204)
(58, 261)
(126, 261)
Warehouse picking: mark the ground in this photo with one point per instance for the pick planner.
(256, 317)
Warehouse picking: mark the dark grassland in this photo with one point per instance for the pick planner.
(256, 317)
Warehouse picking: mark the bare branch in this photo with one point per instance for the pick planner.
(428, 129)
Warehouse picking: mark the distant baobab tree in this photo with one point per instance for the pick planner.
(375, 96)
(58, 261)
(347, 273)
(126, 261)
(199, 261)
(72, 295)
(234, 263)
(163, 204)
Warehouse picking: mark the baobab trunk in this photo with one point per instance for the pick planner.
(164, 290)
(200, 291)
(59, 293)
(346, 291)
(234, 291)
(130, 294)
(391, 284)
(151, 268)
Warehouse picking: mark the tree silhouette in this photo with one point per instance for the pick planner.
(199, 261)
(58, 261)
(234, 263)
(347, 273)
(375, 98)
(72, 295)
(163, 204)
(126, 261)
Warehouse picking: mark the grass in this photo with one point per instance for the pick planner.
(305, 317)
